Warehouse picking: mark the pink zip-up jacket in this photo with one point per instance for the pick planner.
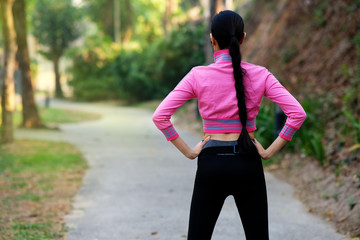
(214, 87)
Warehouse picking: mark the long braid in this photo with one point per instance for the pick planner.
(227, 28)
(244, 140)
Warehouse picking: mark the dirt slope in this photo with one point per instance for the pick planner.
(313, 48)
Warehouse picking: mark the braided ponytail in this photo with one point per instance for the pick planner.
(227, 28)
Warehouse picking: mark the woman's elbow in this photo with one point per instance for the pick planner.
(155, 118)
(302, 115)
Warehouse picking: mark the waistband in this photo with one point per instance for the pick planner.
(218, 143)
(221, 147)
(227, 150)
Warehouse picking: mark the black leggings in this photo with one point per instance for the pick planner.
(220, 175)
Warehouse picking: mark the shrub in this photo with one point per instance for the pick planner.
(156, 70)
(100, 71)
(92, 73)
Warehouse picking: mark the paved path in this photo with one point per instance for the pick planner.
(139, 186)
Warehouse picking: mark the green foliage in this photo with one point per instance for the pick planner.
(350, 120)
(141, 19)
(34, 231)
(44, 157)
(336, 196)
(354, 126)
(309, 137)
(357, 44)
(159, 67)
(352, 202)
(156, 70)
(31, 171)
(265, 122)
(55, 25)
(319, 19)
(102, 72)
(92, 73)
(289, 54)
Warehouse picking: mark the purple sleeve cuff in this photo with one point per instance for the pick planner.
(251, 125)
(287, 132)
(170, 133)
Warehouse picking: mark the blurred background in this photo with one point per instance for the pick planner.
(131, 51)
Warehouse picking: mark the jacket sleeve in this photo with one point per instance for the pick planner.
(291, 107)
(182, 92)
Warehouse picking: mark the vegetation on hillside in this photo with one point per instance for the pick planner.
(313, 47)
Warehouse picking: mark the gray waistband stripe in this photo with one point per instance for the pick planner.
(218, 143)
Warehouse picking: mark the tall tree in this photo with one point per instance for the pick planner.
(115, 18)
(8, 86)
(170, 7)
(117, 21)
(30, 113)
(215, 7)
(55, 27)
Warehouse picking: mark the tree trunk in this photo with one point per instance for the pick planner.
(8, 87)
(117, 21)
(30, 113)
(167, 16)
(58, 90)
(215, 7)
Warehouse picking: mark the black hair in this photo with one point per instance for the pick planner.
(227, 27)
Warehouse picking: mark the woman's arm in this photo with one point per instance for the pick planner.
(272, 149)
(190, 153)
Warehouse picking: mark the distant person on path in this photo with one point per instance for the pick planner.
(229, 93)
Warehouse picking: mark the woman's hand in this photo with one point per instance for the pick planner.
(198, 147)
(190, 153)
(272, 149)
(263, 153)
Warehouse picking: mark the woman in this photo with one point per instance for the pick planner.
(229, 93)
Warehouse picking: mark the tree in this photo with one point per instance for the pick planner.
(30, 113)
(55, 27)
(215, 7)
(8, 86)
(170, 7)
(115, 18)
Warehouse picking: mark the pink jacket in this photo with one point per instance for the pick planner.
(214, 87)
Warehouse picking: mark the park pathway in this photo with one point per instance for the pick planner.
(139, 186)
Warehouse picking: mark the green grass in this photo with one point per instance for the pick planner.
(42, 157)
(56, 116)
(37, 181)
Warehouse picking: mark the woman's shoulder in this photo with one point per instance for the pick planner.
(253, 67)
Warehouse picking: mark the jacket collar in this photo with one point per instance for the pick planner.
(222, 56)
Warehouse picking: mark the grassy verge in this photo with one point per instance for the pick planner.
(57, 116)
(37, 181)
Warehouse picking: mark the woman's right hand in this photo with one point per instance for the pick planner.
(272, 149)
(262, 152)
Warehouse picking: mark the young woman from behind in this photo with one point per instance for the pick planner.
(229, 93)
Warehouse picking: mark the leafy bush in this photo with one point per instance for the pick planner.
(157, 69)
(100, 71)
(92, 74)
(265, 123)
(309, 137)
